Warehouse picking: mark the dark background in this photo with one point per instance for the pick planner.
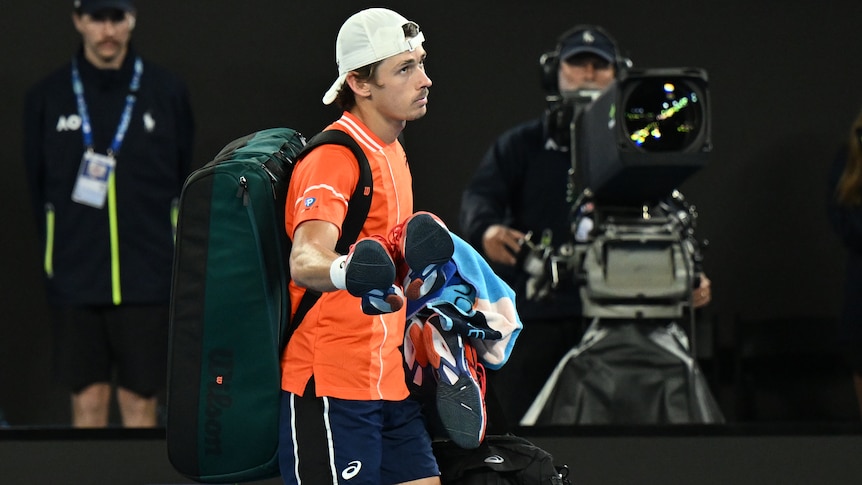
(783, 85)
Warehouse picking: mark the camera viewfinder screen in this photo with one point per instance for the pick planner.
(663, 114)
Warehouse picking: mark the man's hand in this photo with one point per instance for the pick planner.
(502, 244)
(703, 293)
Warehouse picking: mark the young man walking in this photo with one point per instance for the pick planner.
(346, 414)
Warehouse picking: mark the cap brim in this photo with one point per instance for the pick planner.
(93, 8)
(588, 50)
(332, 93)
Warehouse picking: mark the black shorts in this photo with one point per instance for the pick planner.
(99, 343)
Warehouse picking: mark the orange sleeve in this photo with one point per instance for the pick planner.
(320, 187)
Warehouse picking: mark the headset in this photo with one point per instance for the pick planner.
(549, 62)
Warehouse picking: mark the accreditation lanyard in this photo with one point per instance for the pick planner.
(86, 128)
(91, 185)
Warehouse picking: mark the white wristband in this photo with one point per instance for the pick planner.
(338, 273)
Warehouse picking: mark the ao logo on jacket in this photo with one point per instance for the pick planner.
(69, 123)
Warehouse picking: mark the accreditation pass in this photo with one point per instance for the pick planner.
(91, 186)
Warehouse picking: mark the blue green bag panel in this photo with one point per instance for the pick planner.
(230, 305)
(229, 309)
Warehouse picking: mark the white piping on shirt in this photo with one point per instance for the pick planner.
(338, 195)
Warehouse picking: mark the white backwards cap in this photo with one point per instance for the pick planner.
(369, 36)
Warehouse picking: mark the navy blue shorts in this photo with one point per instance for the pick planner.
(329, 440)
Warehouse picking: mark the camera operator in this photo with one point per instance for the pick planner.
(520, 191)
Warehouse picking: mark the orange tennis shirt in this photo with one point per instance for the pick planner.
(351, 355)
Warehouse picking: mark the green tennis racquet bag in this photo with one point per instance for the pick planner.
(230, 305)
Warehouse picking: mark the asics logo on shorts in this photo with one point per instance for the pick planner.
(352, 470)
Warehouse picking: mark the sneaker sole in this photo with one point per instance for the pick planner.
(460, 409)
(374, 272)
(430, 246)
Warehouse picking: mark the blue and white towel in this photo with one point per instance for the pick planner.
(493, 304)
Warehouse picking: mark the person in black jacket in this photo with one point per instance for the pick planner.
(845, 214)
(107, 146)
(521, 188)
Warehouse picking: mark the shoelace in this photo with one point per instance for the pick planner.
(395, 236)
(477, 369)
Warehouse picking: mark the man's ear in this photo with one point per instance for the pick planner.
(360, 88)
(131, 20)
(76, 20)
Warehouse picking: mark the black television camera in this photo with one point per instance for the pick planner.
(634, 253)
